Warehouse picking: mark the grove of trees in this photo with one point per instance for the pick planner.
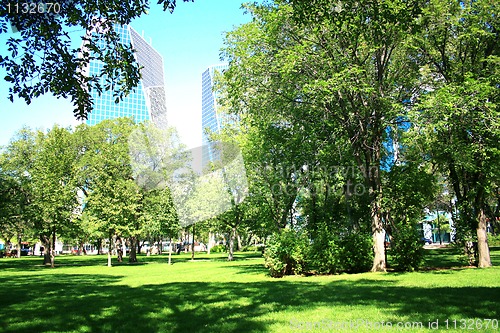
(353, 119)
(354, 114)
(80, 186)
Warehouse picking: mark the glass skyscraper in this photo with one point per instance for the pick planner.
(211, 121)
(147, 101)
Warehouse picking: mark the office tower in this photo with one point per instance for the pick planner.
(147, 101)
(211, 121)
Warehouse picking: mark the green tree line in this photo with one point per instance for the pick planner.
(79, 185)
(354, 116)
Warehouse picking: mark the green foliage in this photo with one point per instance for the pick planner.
(252, 248)
(356, 255)
(325, 252)
(410, 188)
(493, 240)
(327, 82)
(159, 216)
(456, 121)
(45, 36)
(218, 248)
(286, 252)
(350, 252)
(80, 186)
(406, 248)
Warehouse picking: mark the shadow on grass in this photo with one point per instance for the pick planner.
(216, 256)
(495, 255)
(32, 263)
(448, 257)
(85, 303)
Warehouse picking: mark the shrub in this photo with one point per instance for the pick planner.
(253, 248)
(324, 254)
(285, 254)
(493, 240)
(218, 248)
(406, 248)
(350, 252)
(356, 253)
(249, 248)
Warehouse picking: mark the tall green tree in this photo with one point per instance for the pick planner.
(159, 216)
(156, 157)
(112, 196)
(345, 66)
(15, 190)
(458, 116)
(54, 187)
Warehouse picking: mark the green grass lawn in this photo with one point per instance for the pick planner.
(212, 295)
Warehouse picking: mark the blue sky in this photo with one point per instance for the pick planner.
(189, 40)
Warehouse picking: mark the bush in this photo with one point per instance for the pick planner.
(406, 249)
(324, 254)
(351, 252)
(253, 248)
(218, 248)
(285, 253)
(356, 255)
(249, 248)
(493, 240)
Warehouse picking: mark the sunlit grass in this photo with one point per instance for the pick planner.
(211, 294)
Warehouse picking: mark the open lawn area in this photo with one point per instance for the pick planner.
(212, 295)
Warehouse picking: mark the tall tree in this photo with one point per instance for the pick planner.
(459, 115)
(112, 196)
(343, 65)
(15, 190)
(54, 188)
(156, 157)
(159, 216)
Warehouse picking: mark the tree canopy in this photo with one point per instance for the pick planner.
(40, 57)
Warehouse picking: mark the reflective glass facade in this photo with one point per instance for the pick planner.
(211, 122)
(147, 101)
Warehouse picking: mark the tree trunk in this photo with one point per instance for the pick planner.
(232, 236)
(119, 249)
(378, 235)
(46, 251)
(439, 228)
(80, 249)
(239, 243)
(109, 250)
(124, 249)
(46, 256)
(133, 255)
(170, 252)
(19, 246)
(209, 245)
(139, 247)
(192, 245)
(482, 241)
(371, 174)
(53, 249)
